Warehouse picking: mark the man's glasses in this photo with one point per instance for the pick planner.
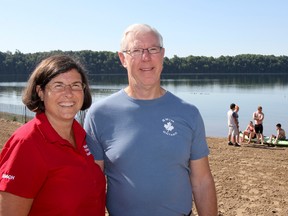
(60, 87)
(140, 51)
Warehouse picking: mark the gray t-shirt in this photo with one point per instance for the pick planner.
(146, 146)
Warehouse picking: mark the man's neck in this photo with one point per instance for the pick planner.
(145, 94)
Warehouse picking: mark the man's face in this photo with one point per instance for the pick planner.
(143, 69)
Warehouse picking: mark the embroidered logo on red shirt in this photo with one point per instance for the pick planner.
(9, 177)
(86, 149)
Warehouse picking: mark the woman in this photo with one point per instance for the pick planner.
(249, 132)
(46, 167)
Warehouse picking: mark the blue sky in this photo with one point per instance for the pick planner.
(189, 27)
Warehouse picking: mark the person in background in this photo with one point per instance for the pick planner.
(258, 117)
(46, 167)
(236, 119)
(279, 136)
(233, 125)
(249, 132)
(151, 143)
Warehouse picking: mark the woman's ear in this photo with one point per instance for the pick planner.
(40, 92)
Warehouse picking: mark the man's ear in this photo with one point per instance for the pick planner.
(122, 59)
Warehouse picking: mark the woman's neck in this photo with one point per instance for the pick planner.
(64, 129)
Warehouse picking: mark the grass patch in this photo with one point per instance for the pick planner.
(15, 117)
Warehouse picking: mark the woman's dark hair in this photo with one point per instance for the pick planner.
(46, 70)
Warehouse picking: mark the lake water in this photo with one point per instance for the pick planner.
(211, 94)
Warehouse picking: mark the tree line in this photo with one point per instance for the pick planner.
(18, 66)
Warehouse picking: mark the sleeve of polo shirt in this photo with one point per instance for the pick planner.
(22, 169)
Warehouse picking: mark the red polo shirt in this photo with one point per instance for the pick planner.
(37, 163)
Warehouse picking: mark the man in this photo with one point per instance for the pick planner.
(151, 143)
(281, 135)
(258, 117)
(233, 125)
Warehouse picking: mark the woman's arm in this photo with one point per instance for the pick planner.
(11, 204)
(100, 163)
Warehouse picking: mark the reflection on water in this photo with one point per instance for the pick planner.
(212, 94)
(240, 81)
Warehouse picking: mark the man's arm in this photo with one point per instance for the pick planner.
(261, 117)
(255, 116)
(203, 187)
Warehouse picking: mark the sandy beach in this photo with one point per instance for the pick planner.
(250, 180)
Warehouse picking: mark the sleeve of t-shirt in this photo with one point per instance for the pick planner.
(91, 138)
(22, 169)
(199, 147)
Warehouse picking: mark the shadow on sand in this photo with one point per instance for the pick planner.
(265, 146)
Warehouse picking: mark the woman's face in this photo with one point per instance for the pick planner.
(63, 96)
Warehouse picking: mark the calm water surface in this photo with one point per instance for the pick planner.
(212, 96)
